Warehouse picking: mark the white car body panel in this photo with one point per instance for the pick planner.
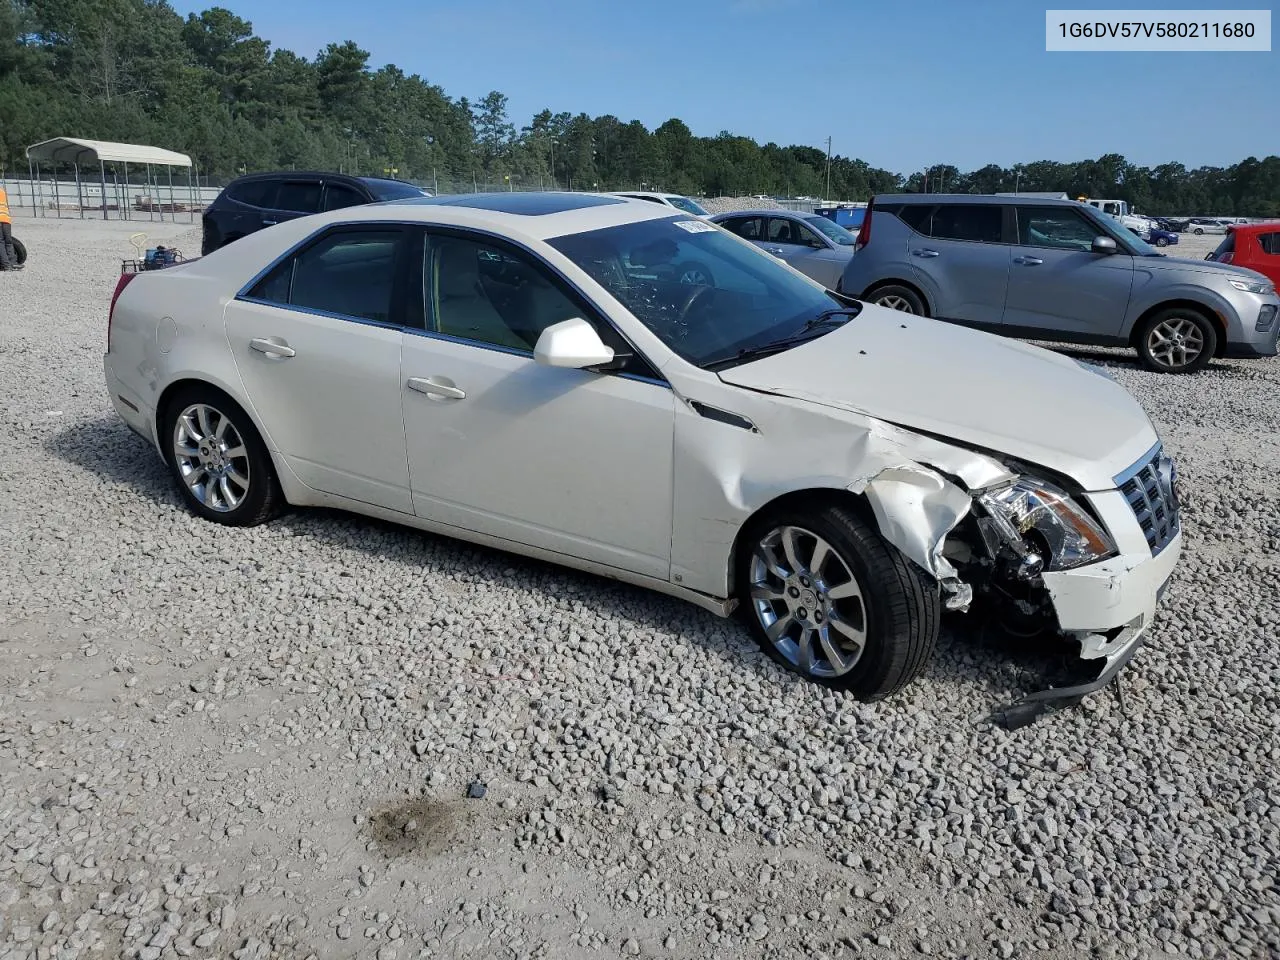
(624, 476)
(540, 455)
(333, 410)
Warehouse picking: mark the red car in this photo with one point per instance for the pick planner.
(1255, 246)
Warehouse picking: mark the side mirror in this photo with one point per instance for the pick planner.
(1103, 245)
(571, 343)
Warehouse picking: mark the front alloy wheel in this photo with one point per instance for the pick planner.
(809, 602)
(1177, 341)
(828, 598)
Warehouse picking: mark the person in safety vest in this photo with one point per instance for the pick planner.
(8, 256)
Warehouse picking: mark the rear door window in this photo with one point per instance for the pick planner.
(298, 196)
(1270, 243)
(348, 273)
(749, 228)
(977, 222)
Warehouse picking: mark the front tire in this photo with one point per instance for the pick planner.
(897, 297)
(1161, 242)
(19, 251)
(828, 598)
(1177, 340)
(218, 460)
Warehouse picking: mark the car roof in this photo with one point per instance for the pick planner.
(1271, 226)
(974, 198)
(776, 212)
(646, 193)
(541, 215)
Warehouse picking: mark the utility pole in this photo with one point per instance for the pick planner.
(827, 193)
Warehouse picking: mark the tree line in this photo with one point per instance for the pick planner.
(136, 71)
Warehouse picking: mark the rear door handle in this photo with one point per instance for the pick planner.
(1028, 261)
(924, 252)
(273, 347)
(434, 388)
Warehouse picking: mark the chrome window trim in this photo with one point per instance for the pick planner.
(242, 294)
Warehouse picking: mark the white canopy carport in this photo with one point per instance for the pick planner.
(78, 152)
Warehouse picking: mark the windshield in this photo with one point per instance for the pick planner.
(1126, 238)
(391, 189)
(704, 293)
(832, 231)
(687, 205)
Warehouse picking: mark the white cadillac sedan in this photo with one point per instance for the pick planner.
(535, 372)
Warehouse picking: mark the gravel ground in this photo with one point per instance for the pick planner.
(257, 743)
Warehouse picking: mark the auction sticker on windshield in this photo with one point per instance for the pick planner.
(696, 226)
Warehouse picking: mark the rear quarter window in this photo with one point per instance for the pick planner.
(1270, 243)
(1228, 245)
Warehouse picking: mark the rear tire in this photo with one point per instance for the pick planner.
(897, 297)
(828, 598)
(1177, 340)
(217, 458)
(19, 251)
(1198, 232)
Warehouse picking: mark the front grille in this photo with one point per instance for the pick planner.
(1150, 492)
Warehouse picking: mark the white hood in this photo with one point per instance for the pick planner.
(975, 387)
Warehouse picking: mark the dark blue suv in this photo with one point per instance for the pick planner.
(259, 200)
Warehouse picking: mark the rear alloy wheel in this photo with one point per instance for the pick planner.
(1177, 340)
(218, 459)
(1198, 231)
(897, 297)
(828, 598)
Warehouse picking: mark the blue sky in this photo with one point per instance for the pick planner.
(900, 85)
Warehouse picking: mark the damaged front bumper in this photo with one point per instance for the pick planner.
(1106, 607)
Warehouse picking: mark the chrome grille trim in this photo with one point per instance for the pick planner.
(1148, 488)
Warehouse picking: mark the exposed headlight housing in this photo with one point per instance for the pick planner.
(1045, 520)
(1262, 287)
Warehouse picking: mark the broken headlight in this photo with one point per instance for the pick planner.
(1038, 517)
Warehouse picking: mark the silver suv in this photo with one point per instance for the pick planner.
(1057, 270)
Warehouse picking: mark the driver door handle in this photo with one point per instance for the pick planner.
(433, 388)
(924, 252)
(1028, 261)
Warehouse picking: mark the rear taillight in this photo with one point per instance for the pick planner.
(1225, 257)
(111, 312)
(864, 231)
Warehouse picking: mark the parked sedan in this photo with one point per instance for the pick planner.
(526, 371)
(812, 244)
(1203, 225)
(1161, 237)
(676, 200)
